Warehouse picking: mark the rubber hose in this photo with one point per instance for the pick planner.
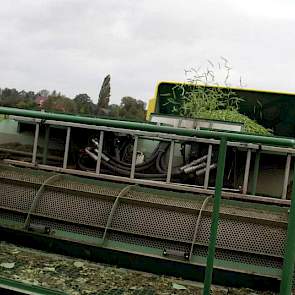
(127, 172)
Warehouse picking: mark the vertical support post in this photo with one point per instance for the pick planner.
(100, 146)
(247, 170)
(255, 172)
(215, 216)
(289, 256)
(45, 147)
(35, 145)
(134, 154)
(67, 145)
(286, 177)
(170, 162)
(207, 173)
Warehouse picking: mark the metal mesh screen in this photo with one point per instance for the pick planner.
(246, 235)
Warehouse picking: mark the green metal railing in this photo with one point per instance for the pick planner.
(224, 137)
(239, 137)
(289, 257)
(215, 216)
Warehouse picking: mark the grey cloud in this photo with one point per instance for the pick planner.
(71, 45)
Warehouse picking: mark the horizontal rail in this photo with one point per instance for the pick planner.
(158, 135)
(268, 140)
(153, 183)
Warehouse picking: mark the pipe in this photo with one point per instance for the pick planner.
(195, 162)
(194, 168)
(240, 137)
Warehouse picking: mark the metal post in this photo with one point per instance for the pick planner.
(215, 216)
(170, 162)
(286, 177)
(207, 173)
(100, 146)
(246, 174)
(67, 145)
(45, 147)
(255, 172)
(289, 257)
(134, 154)
(35, 146)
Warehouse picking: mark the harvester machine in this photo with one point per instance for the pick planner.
(195, 198)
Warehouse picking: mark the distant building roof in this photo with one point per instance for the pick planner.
(40, 100)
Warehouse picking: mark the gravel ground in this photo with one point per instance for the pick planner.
(76, 276)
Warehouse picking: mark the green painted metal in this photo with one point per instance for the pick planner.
(289, 257)
(22, 288)
(147, 251)
(226, 274)
(255, 172)
(215, 216)
(268, 140)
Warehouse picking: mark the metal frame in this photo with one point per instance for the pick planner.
(122, 197)
(223, 139)
(248, 147)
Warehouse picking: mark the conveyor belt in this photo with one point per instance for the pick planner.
(147, 222)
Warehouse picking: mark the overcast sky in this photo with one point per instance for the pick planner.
(70, 45)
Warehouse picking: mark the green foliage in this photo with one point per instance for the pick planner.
(211, 102)
(20, 99)
(131, 108)
(104, 96)
(202, 99)
(84, 104)
(26, 104)
(114, 110)
(250, 126)
(60, 103)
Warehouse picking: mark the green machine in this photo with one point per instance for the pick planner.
(191, 198)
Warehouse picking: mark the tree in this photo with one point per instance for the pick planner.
(31, 94)
(26, 104)
(10, 97)
(104, 96)
(132, 108)
(44, 93)
(84, 104)
(114, 110)
(60, 103)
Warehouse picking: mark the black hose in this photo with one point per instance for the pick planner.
(127, 172)
(160, 165)
(123, 168)
(162, 147)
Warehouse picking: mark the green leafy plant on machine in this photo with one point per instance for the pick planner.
(207, 100)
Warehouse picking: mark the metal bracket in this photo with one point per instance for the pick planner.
(176, 254)
(124, 191)
(197, 226)
(36, 198)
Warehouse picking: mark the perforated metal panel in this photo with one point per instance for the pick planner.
(151, 219)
